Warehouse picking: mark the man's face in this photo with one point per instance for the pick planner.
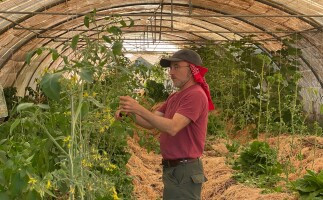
(180, 73)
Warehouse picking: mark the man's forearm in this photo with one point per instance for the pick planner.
(142, 122)
(161, 123)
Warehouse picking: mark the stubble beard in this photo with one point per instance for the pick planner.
(181, 84)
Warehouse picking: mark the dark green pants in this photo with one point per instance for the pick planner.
(183, 181)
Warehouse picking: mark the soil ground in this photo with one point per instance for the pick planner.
(301, 152)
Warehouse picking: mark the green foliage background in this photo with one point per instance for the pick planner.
(62, 141)
(251, 87)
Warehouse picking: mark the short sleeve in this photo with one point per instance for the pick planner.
(192, 105)
(162, 108)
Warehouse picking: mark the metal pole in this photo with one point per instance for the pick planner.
(18, 24)
(317, 29)
(172, 14)
(151, 14)
(161, 19)
(168, 40)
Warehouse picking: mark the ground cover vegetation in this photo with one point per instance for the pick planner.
(310, 186)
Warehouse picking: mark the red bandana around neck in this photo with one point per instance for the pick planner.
(198, 74)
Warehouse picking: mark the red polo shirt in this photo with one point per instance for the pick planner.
(188, 142)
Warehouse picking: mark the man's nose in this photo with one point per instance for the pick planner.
(171, 70)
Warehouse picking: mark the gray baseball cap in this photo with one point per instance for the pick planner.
(182, 55)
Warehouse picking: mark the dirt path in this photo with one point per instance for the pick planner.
(146, 169)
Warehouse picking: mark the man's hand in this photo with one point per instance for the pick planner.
(151, 120)
(129, 105)
(118, 115)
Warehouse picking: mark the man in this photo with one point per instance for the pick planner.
(182, 121)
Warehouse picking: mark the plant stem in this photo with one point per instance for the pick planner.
(74, 119)
(260, 95)
(51, 137)
(267, 110)
(279, 109)
(293, 113)
(70, 150)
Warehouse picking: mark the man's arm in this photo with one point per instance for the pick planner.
(139, 120)
(144, 123)
(170, 126)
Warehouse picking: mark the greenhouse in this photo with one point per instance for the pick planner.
(161, 99)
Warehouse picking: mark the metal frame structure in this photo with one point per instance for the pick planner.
(153, 17)
(151, 14)
(158, 13)
(317, 29)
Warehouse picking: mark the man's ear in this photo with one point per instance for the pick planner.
(189, 69)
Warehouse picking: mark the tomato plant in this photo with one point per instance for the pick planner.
(69, 145)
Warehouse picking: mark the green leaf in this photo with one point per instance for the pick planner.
(50, 193)
(39, 51)
(130, 131)
(114, 30)
(107, 39)
(123, 23)
(264, 58)
(132, 23)
(43, 106)
(4, 196)
(26, 144)
(23, 106)
(321, 109)
(86, 21)
(55, 55)
(119, 129)
(50, 85)
(75, 40)
(32, 195)
(304, 186)
(2, 180)
(319, 177)
(65, 60)
(14, 125)
(310, 172)
(117, 48)
(29, 55)
(85, 109)
(87, 75)
(29, 159)
(17, 184)
(317, 194)
(3, 159)
(97, 103)
(3, 141)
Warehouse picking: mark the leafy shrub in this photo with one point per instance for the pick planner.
(12, 100)
(71, 148)
(216, 126)
(156, 91)
(148, 141)
(310, 187)
(11, 97)
(234, 147)
(258, 165)
(251, 87)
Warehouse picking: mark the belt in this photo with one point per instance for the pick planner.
(174, 163)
